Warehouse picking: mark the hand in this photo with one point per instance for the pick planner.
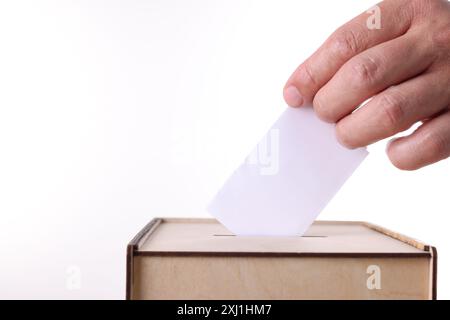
(403, 64)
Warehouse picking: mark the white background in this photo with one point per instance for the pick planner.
(114, 112)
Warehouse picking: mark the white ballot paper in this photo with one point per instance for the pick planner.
(287, 179)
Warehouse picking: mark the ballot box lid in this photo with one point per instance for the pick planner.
(208, 237)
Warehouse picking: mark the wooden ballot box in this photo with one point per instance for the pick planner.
(200, 259)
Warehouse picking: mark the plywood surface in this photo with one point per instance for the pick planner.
(207, 235)
(278, 278)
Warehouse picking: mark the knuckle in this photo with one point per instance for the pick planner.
(346, 42)
(391, 107)
(441, 37)
(364, 71)
(424, 6)
(306, 76)
(422, 10)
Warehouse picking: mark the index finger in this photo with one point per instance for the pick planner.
(349, 40)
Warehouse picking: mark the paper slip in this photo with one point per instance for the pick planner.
(288, 179)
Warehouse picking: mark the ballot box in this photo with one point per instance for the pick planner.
(173, 258)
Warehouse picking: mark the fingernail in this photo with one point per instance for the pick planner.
(293, 97)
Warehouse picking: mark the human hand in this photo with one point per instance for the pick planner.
(403, 64)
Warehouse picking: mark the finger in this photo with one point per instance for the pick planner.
(371, 72)
(428, 144)
(395, 110)
(346, 42)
